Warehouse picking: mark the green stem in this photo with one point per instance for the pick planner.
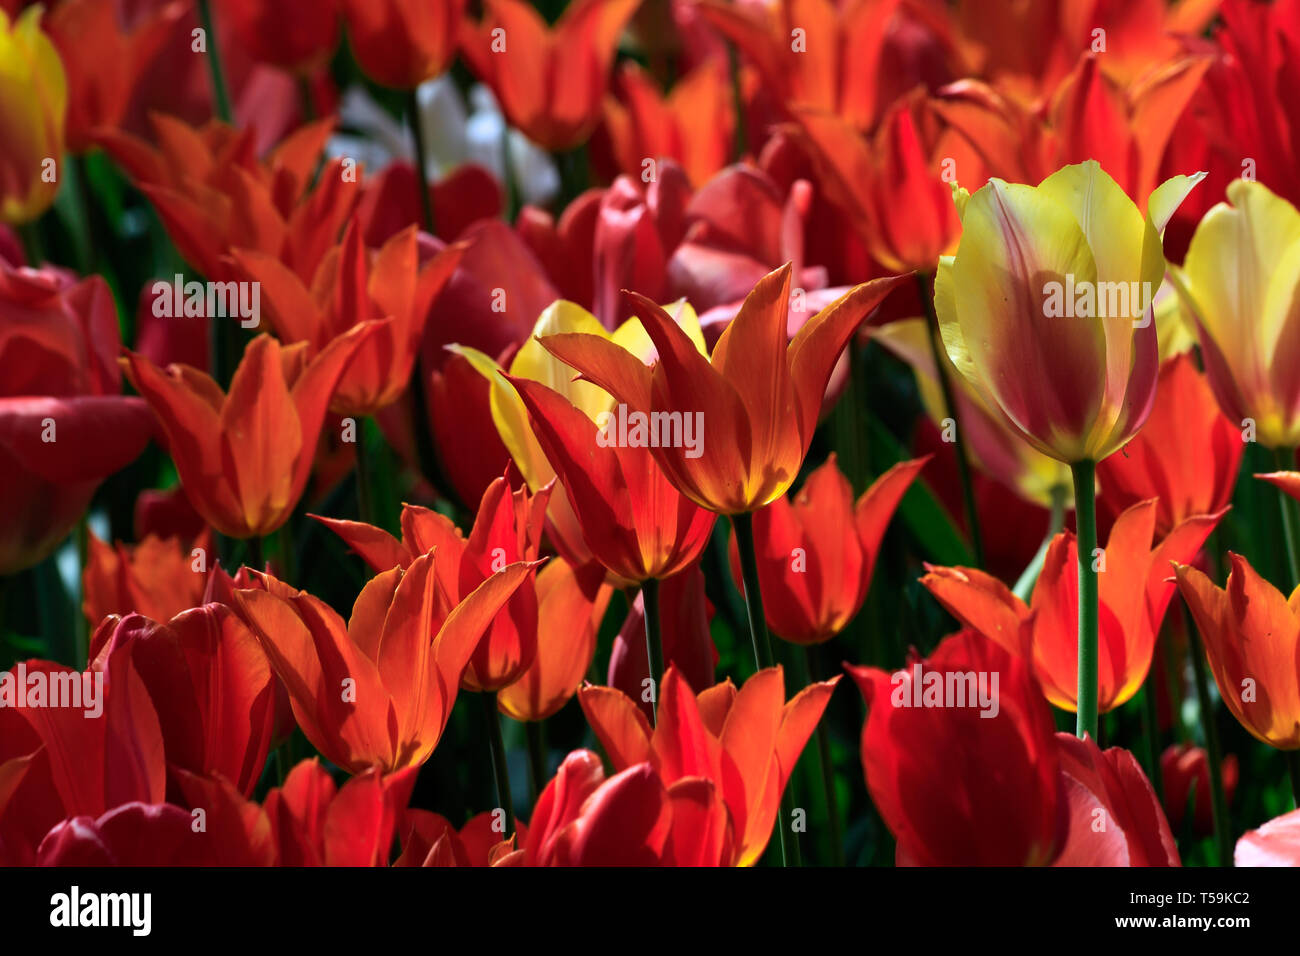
(1293, 765)
(81, 626)
(220, 94)
(253, 554)
(744, 528)
(925, 282)
(1085, 512)
(1151, 731)
(828, 774)
(421, 158)
(738, 103)
(500, 771)
(743, 524)
(365, 494)
(1029, 577)
(653, 640)
(537, 775)
(1290, 523)
(30, 235)
(1214, 756)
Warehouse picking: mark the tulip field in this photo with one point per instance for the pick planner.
(690, 433)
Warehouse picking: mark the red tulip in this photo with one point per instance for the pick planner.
(816, 553)
(1185, 771)
(429, 839)
(157, 578)
(63, 426)
(963, 781)
(402, 43)
(296, 35)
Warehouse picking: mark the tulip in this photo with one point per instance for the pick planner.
(350, 288)
(63, 426)
(745, 742)
(507, 529)
(214, 195)
(692, 124)
(1276, 843)
(633, 520)
(459, 402)
(534, 362)
(402, 43)
(1107, 787)
(816, 553)
(1187, 455)
(210, 684)
(763, 401)
(1135, 591)
(131, 834)
(378, 690)
(1186, 774)
(104, 61)
(634, 818)
(429, 839)
(963, 785)
(157, 577)
(550, 81)
(298, 35)
(34, 105)
(1076, 386)
(245, 456)
(1252, 639)
(571, 603)
(995, 448)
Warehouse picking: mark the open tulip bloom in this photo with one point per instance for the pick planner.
(440, 434)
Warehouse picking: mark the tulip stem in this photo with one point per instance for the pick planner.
(828, 771)
(365, 493)
(500, 771)
(1029, 577)
(1214, 756)
(29, 234)
(509, 186)
(421, 160)
(738, 103)
(1085, 512)
(220, 94)
(1151, 731)
(1290, 524)
(925, 283)
(535, 731)
(743, 524)
(1293, 765)
(744, 527)
(653, 641)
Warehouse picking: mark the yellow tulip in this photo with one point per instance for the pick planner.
(33, 105)
(1240, 281)
(1046, 308)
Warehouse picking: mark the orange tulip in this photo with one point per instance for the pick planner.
(1252, 639)
(571, 603)
(507, 529)
(1187, 454)
(902, 166)
(693, 124)
(157, 577)
(104, 61)
(817, 552)
(849, 59)
(550, 81)
(633, 520)
(213, 194)
(377, 691)
(1134, 589)
(244, 457)
(402, 43)
(745, 742)
(756, 400)
(349, 288)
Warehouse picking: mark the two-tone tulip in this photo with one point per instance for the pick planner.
(33, 106)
